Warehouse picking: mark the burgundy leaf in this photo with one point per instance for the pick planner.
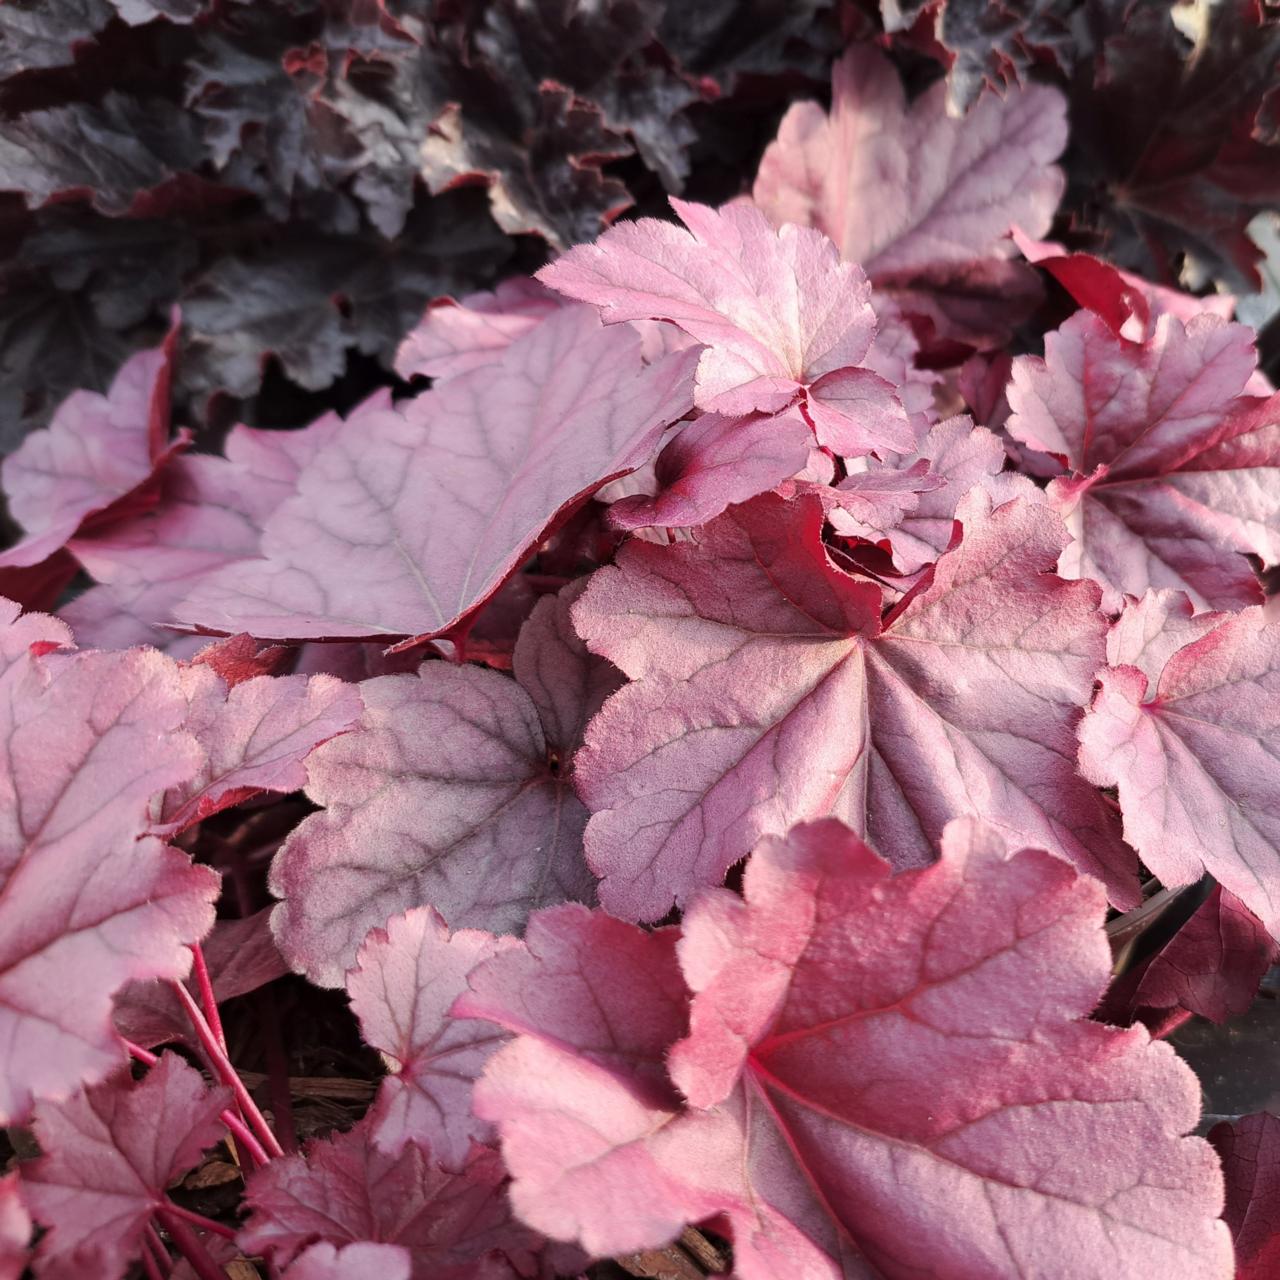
(554, 188)
(714, 463)
(920, 199)
(352, 1262)
(454, 1226)
(888, 1076)
(255, 737)
(766, 691)
(1171, 473)
(15, 1229)
(1212, 966)
(485, 830)
(782, 317)
(405, 979)
(454, 337)
(241, 956)
(1169, 118)
(110, 1152)
(129, 154)
(240, 658)
(1129, 304)
(87, 903)
(408, 523)
(1190, 737)
(93, 457)
(1250, 1151)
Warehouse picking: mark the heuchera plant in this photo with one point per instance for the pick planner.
(776, 754)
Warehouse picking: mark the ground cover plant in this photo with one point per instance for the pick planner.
(643, 643)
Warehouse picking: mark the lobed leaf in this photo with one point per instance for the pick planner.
(344, 1191)
(88, 902)
(1190, 742)
(405, 979)
(766, 691)
(921, 199)
(407, 524)
(484, 831)
(783, 319)
(847, 1115)
(110, 1153)
(255, 736)
(1171, 471)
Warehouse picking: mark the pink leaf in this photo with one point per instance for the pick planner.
(110, 1152)
(409, 521)
(454, 1226)
(87, 903)
(454, 791)
(954, 458)
(405, 979)
(767, 691)
(352, 1262)
(255, 737)
(454, 337)
(777, 310)
(97, 451)
(209, 513)
(1173, 475)
(1250, 1152)
(562, 981)
(1212, 966)
(868, 504)
(1191, 743)
(921, 199)
(15, 1229)
(856, 1117)
(241, 956)
(714, 463)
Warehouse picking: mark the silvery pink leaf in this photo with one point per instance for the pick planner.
(209, 512)
(87, 901)
(1172, 473)
(955, 457)
(351, 1262)
(406, 978)
(485, 830)
(767, 690)
(1190, 738)
(456, 336)
(411, 519)
(921, 199)
(783, 319)
(91, 460)
(714, 463)
(15, 1229)
(255, 736)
